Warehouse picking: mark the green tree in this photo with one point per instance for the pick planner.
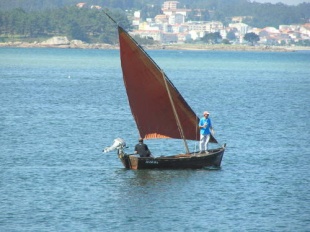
(144, 41)
(251, 37)
(225, 41)
(231, 35)
(150, 11)
(212, 37)
(76, 32)
(198, 15)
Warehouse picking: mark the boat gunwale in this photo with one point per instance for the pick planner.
(183, 156)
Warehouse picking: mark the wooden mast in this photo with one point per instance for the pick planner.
(175, 114)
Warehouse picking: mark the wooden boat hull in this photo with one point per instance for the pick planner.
(183, 161)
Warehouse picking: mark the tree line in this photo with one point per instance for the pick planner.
(259, 14)
(262, 14)
(89, 25)
(43, 19)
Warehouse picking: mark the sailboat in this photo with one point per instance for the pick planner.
(160, 112)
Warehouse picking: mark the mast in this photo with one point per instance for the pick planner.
(176, 114)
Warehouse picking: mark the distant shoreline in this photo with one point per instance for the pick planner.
(192, 47)
(223, 47)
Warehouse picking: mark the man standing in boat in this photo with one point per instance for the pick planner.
(205, 126)
(142, 149)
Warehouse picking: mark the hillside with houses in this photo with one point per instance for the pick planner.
(86, 25)
(172, 27)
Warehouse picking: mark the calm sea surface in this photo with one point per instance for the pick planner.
(59, 108)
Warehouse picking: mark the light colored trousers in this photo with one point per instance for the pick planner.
(203, 144)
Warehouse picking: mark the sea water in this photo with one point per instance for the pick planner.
(60, 107)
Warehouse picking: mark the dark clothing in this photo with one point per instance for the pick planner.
(142, 150)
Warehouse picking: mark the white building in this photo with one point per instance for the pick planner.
(136, 18)
(176, 19)
(241, 27)
(201, 26)
(161, 19)
(170, 5)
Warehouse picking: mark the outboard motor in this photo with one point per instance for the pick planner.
(118, 144)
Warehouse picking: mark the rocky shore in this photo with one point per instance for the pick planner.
(63, 42)
(58, 42)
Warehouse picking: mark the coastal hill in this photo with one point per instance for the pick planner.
(30, 24)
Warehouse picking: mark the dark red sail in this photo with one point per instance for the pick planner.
(148, 96)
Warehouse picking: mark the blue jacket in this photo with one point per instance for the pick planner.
(207, 122)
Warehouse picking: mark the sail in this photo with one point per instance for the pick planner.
(148, 96)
